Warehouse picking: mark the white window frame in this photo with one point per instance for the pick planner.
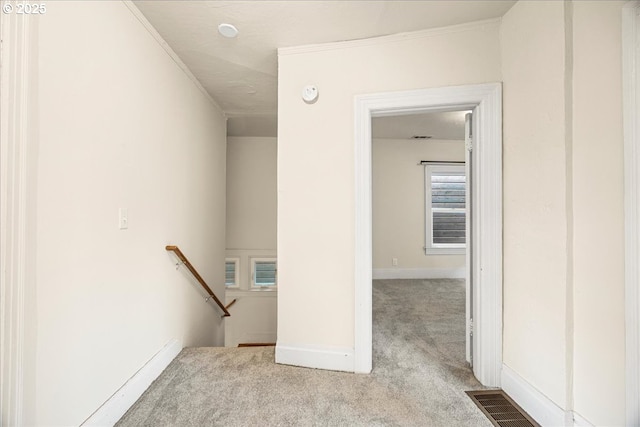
(236, 261)
(431, 248)
(252, 270)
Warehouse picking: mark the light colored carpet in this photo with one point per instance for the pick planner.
(419, 375)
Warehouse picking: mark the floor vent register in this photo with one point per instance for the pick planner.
(500, 409)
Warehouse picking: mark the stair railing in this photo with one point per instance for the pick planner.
(200, 280)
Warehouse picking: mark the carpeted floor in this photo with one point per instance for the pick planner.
(419, 375)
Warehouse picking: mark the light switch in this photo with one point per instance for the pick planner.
(123, 218)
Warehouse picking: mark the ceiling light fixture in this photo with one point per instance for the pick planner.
(227, 30)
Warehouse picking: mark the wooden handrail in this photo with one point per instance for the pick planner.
(199, 278)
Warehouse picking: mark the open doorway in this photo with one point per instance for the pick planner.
(486, 251)
(421, 220)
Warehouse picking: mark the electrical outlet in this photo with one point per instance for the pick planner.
(394, 262)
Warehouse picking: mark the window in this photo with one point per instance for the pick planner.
(231, 279)
(445, 213)
(263, 273)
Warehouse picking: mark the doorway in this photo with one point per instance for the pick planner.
(421, 220)
(486, 251)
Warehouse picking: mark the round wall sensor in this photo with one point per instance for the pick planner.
(309, 93)
(227, 30)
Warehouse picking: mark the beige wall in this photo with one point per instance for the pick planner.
(120, 126)
(251, 193)
(564, 322)
(535, 205)
(251, 232)
(253, 317)
(562, 170)
(316, 162)
(598, 209)
(399, 204)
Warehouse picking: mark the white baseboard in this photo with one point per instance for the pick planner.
(113, 409)
(330, 358)
(536, 404)
(418, 273)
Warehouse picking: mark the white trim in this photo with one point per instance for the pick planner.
(243, 293)
(117, 405)
(363, 331)
(580, 421)
(393, 38)
(631, 119)
(164, 45)
(308, 356)
(18, 178)
(418, 273)
(486, 100)
(536, 404)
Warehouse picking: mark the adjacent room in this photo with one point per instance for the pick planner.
(420, 299)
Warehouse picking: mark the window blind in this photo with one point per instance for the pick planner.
(265, 273)
(448, 207)
(230, 273)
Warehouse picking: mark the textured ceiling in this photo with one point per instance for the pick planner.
(241, 73)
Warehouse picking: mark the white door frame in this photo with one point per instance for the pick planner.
(631, 113)
(468, 255)
(486, 99)
(18, 165)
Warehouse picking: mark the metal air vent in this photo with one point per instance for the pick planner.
(500, 409)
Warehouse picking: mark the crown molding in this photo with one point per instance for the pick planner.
(174, 56)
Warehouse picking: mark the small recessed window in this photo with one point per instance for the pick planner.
(263, 273)
(231, 279)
